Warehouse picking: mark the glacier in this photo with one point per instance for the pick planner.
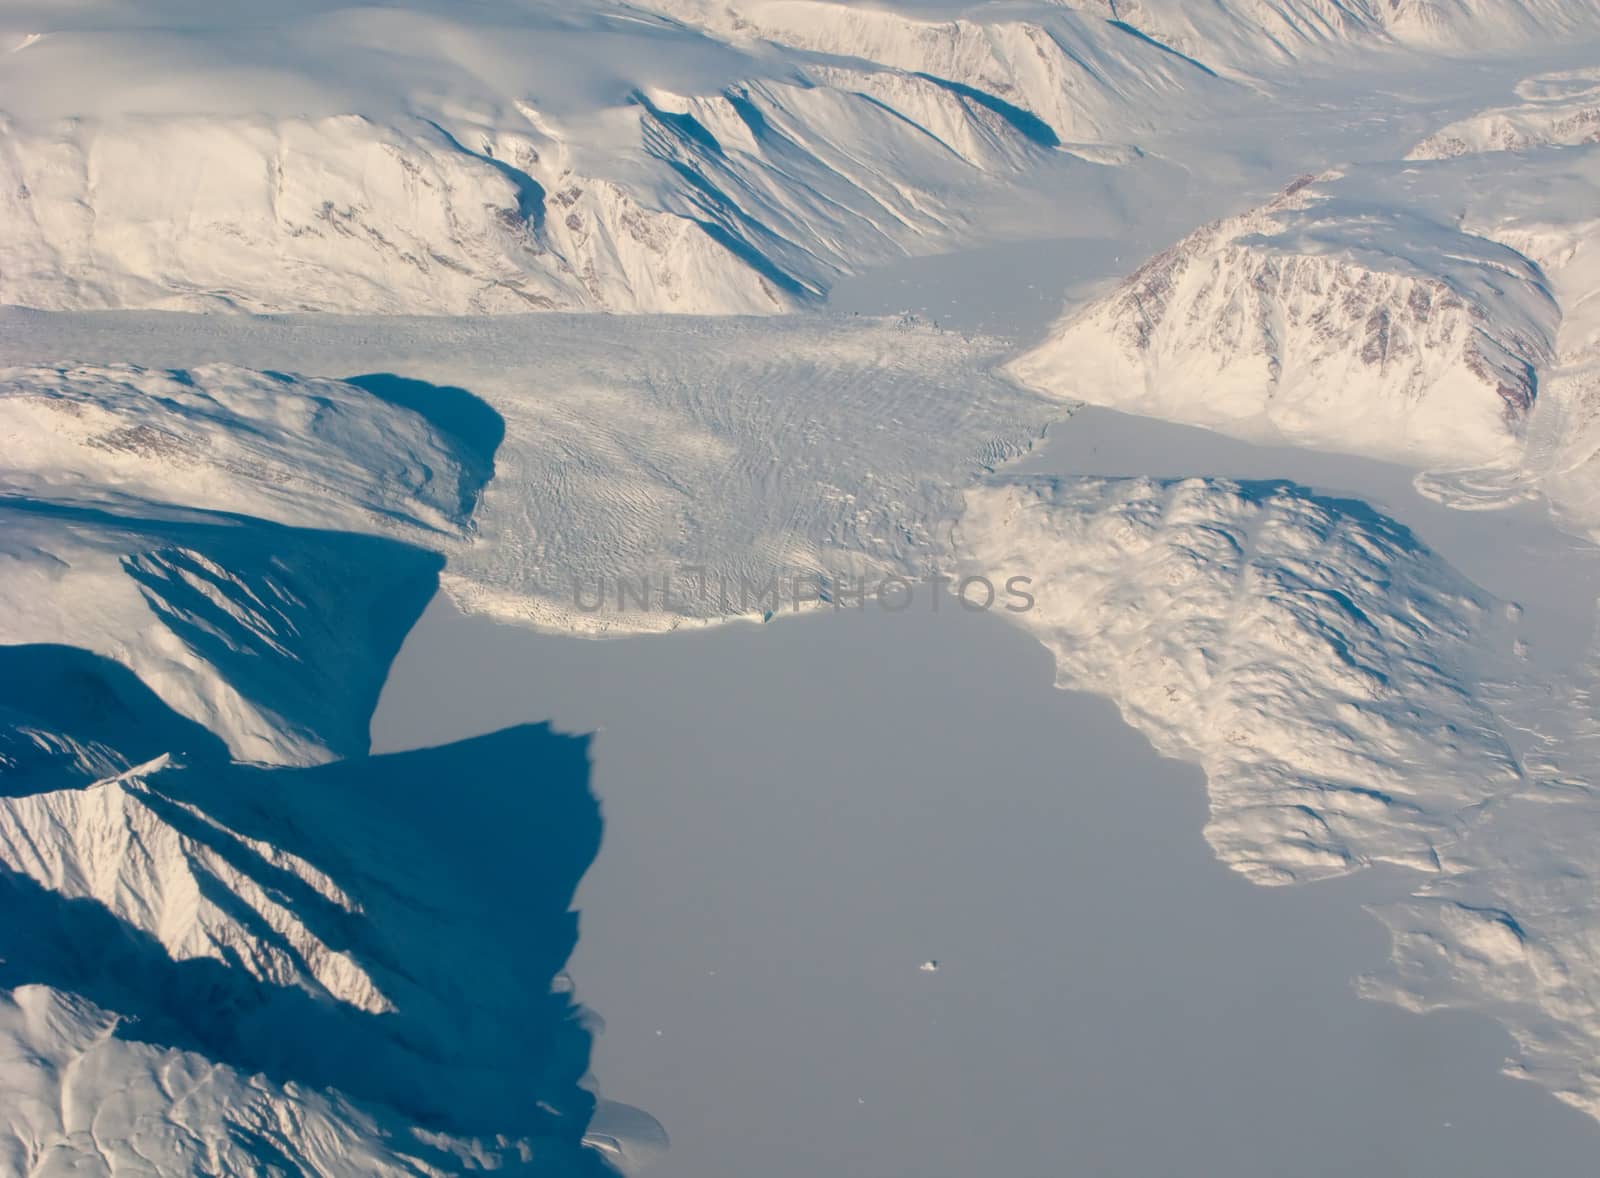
(233, 938)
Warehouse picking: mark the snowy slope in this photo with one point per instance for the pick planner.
(1556, 109)
(1508, 926)
(303, 453)
(687, 156)
(1332, 316)
(84, 1101)
(1079, 76)
(1443, 310)
(1546, 205)
(281, 961)
(1483, 24)
(445, 160)
(1069, 63)
(174, 522)
(1312, 657)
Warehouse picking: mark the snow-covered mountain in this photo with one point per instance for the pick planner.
(1328, 316)
(559, 156)
(1058, 72)
(1443, 311)
(179, 523)
(298, 452)
(1239, 35)
(1560, 109)
(232, 941)
(688, 156)
(1308, 658)
(212, 968)
(209, 966)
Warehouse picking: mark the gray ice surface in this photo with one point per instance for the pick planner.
(798, 815)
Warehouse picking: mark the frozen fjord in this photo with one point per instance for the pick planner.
(417, 348)
(799, 814)
(643, 469)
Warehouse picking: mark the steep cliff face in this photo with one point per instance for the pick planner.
(542, 160)
(1327, 319)
(211, 967)
(205, 530)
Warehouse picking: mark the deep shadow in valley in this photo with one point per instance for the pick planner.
(457, 867)
(393, 928)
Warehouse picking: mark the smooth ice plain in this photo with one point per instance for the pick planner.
(798, 815)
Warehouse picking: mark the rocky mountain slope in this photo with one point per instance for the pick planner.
(212, 961)
(246, 544)
(560, 157)
(686, 156)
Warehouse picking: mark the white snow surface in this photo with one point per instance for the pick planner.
(1561, 109)
(728, 458)
(1314, 659)
(83, 1102)
(449, 159)
(250, 546)
(299, 452)
(1331, 316)
(684, 156)
(1061, 60)
(172, 521)
(1508, 925)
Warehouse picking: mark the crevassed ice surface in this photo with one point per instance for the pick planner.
(219, 529)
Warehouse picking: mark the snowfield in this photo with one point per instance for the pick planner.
(1560, 109)
(176, 523)
(303, 453)
(232, 939)
(585, 157)
(1328, 319)
(687, 156)
(1312, 657)
(82, 1100)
